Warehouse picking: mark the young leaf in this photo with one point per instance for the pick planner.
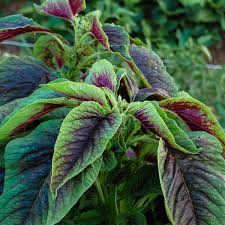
(193, 185)
(12, 26)
(48, 50)
(27, 198)
(153, 69)
(112, 37)
(98, 32)
(79, 91)
(196, 114)
(155, 120)
(102, 74)
(119, 40)
(19, 77)
(83, 138)
(65, 9)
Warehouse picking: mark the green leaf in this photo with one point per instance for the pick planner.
(155, 120)
(83, 138)
(153, 69)
(193, 185)
(26, 196)
(65, 9)
(132, 218)
(26, 115)
(102, 74)
(12, 26)
(6, 109)
(19, 77)
(109, 161)
(196, 114)
(79, 91)
(48, 50)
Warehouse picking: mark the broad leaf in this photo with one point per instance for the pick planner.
(153, 69)
(154, 119)
(39, 94)
(83, 138)
(6, 109)
(28, 114)
(193, 185)
(2, 171)
(27, 198)
(151, 94)
(19, 77)
(102, 74)
(112, 37)
(196, 114)
(48, 50)
(118, 39)
(12, 26)
(65, 9)
(79, 91)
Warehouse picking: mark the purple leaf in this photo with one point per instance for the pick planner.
(12, 26)
(197, 115)
(65, 9)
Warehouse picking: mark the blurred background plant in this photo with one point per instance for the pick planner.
(187, 34)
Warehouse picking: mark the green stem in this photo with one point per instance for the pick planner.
(99, 190)
(140, 75)
(92, 56)
(143, 138)
(58, 40)
(82, 38)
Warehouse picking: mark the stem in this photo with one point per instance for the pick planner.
(59, 41)
(92, 56)
(140, 75)
(99, 190)
(82, 38)
(144, 138)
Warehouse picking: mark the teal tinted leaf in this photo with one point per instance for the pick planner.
(153, 69)
(39, 94)
(65, 9)
(6, 109)
(196, 114)
(155, 120)
(2, 171)
(102, 74)
(19, 77)
(28, 114)
(27, 197)
(12, 26)
(79, 91)
(83, 138)
(118, 39)
(193, 185)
